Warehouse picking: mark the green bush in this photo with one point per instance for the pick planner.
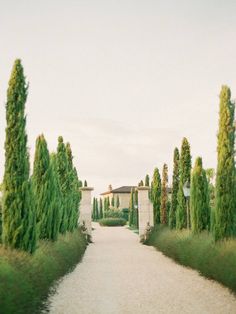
(114, 213)
(112, 222)
(25, 280)
(214, 260)
(125, 213)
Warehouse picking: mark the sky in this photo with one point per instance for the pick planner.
(122, 80)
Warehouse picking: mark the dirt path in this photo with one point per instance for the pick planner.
(118, 275)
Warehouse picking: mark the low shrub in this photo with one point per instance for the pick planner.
(113, 213)
(112, 222)
(214, 260)
(25, 280)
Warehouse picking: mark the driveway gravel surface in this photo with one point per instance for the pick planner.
(118, 275)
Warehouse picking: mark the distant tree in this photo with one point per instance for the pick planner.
(131, 208)
(113, 201)
(117, 201)
(19, 219)
(164, 195)
(147, 180)
(141, 183)
(156, 195)
(94, 210)
(175, 188)
(85, 183)
(225, 174)
(185, 172)
(100, 209)
(199, 201)
(135, 216)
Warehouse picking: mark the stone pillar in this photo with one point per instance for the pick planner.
(145, 209)
(85, 215)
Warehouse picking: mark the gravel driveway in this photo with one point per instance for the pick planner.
(118, 275)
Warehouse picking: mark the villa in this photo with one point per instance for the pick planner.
(122, 192)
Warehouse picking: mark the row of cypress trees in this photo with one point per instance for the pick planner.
(46, 203)
(220, 217)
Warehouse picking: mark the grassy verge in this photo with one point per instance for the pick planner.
(112, 222)
(215, 261)
(25, 280)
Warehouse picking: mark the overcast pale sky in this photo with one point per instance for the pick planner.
(122, 80)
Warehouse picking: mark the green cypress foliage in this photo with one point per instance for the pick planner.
(175, 188)
(76, 198)
(85, 183)
(141, 183)
(147, 180)
(56, 200)
(199, 201)
(19, 221)
(100, 209)
(72, 191)
(225, 174)
(131, 208)
(62, 169)
(135, 219)
(42, 187)
(117, 201)
(113, 201)
(185, 173)
(164, 195)
(94, 210)
(156, 195)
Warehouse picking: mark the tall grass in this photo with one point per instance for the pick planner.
(214, 260)
(25, 279)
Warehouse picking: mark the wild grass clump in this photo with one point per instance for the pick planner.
(25, 279)
(214, 260)
(112, 222)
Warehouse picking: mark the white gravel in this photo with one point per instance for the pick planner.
(118, 275)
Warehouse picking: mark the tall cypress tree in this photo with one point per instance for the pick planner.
(225, 175)
(113, 201)
(185, 172)
(56, 198)
(72, 191)
(76, 197)
(85, 183)
(94, 210)
(42, 187)
(156, 195)
(100, 209)
(199, 201)
(164, 195)
(62, 169)
(141, 183)
(19, 221)
(136, 208)
(117, 201)
(131, 208)
(175, 188)
(147, 180)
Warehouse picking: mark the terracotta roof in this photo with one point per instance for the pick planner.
(122, 189)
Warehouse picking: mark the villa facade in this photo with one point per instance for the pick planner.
(122, 192)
